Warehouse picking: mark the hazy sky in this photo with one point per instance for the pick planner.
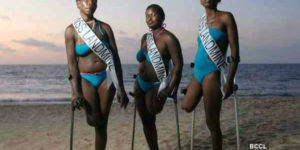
(32, 31)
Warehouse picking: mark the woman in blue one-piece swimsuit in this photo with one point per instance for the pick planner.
(206, 79)
(88, 73)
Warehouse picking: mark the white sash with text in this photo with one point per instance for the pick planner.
(157, 62)
(97, 46)
(212, 49)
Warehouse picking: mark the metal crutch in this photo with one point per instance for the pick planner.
(177, 122)
(134, 118)
(72, 127)
(236, 116)
(193, 121)
(133, 127)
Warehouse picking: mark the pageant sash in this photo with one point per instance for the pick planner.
(97, 46)
(157, 62)
(212, 49)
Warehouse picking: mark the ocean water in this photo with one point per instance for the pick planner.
(40, 83)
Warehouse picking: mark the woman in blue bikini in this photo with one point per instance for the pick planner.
(206, 79)
(88, 76)
(148, 100)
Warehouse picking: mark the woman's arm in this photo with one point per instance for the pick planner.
(117, 63)
(232, 34)
(73, 67)
(174, 49)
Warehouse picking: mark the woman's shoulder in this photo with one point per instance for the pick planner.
(226, 16)
(169, 36)
(224, 13)
(104, 25)
(69, 32)
(70, 27)
(144, 37)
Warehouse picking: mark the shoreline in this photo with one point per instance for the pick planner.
(48, 101)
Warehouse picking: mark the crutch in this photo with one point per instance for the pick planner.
(177, 121)
(72, 127)
(72, 120)
(193, 130)
(236, 108)
(134, 118)
(133, 127)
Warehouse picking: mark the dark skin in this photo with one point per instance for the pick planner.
(149, 104)
(210, 87)
(96, 101)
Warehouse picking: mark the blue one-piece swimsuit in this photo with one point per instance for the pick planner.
(203, 66)
(144, 85)
(94, 78)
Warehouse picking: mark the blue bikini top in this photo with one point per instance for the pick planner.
(83, 49)
(217, 35)
(141, 54)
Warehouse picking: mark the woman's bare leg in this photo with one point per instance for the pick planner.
(154, 105)
(147, 118)
(212, 96)
(192, 96)
(97, 109)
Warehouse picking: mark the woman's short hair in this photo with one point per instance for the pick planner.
(159, 11)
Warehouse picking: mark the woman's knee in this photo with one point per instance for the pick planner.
(192, 97)
(213, 125)
(96, 121)
(157, 110)
(148, 120)
(187, 109)
(188, 104)
(154, 109)
(185, 106)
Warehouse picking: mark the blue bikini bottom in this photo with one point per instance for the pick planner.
(146, 86)
(94, 78)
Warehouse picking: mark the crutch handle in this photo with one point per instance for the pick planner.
(183, 91)
(134, 76)
(235, 87)
(192, 65)
(131, 94)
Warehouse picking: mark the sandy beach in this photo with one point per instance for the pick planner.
(272, 121)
